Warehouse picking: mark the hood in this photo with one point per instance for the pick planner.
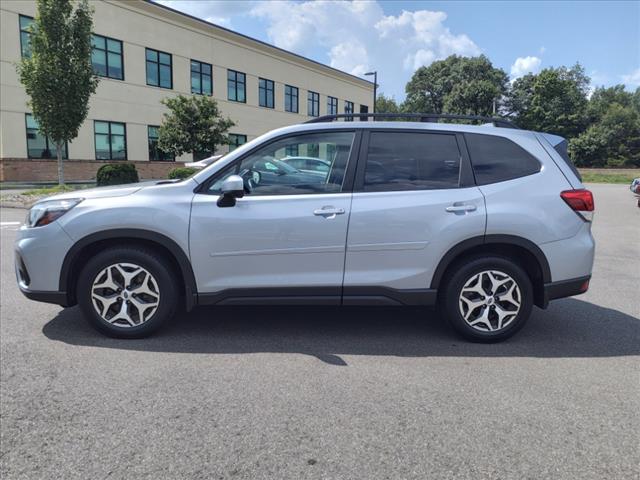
(104, 192)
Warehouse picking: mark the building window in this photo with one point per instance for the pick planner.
(26, 23)
(39, 146)
(236, 86)
(290, 99)
(291, 150)
(332, 106)
(313, 104)
(201, 82)
(348, 108)
(235, 140)
(159, 71)
(111, 140)
(265, 92)
(155, 153)
(106, 57)
(364, 109)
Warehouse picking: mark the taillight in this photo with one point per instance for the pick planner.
(580, 201)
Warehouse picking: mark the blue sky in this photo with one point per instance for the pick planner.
(396, 37)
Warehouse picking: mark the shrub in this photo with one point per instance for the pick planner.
(117, 174)
(181, 173)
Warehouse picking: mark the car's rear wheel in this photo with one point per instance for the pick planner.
(487, 299)
(127, 292)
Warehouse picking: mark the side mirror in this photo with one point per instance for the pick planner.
(232, 188)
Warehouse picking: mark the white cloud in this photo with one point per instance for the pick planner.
(633, 79)
(524, 65)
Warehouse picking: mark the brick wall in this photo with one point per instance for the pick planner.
(36, 170)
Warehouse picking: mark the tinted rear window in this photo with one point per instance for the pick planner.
(411, 161)
(496, 159)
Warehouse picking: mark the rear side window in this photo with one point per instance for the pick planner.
(496, 159)
(411, 161)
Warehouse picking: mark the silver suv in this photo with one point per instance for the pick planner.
(483, 221)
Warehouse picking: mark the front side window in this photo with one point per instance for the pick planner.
(290, 99)
(270, 171)
(39, 146)
(26, 24)
(332, 106)
(159, 69)
(348, 108)
(236, 86)
(265, 92)
(411, 161)
(235, 140)
(496, 159)
(106, 57)
(201, 82)
(313, 104)
(155, 154)
(111, 140)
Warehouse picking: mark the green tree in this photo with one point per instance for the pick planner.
(602, 98)
(386, 104)
(193, 124)
(554, 101)
(462, 85)
(58, 76)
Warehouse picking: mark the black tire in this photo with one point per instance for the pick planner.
(162, 274)
(465, 271)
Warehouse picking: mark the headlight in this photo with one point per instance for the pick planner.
(43, 213)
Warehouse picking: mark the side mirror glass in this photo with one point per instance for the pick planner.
(232, 188)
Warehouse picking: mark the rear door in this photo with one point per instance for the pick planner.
(414, 198)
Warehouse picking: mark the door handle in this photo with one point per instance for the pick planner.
(328, 212)
(461, 208)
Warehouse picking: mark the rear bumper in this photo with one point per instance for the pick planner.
(565, 288)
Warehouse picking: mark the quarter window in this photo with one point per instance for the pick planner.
(155, 154)
(290, 99)
(236, 86)
(411, 161)
(496, 159)
(332, 106)
(106, 57)
(235, 140)
(265, 92)
(267, 171)
(313, 104)
(26, 24)
(159, 69)
(39, 146)
(111, 140)
(201, 82)
(348, 108)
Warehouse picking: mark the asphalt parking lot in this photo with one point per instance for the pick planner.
(353, 393)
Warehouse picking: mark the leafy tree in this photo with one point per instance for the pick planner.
(469, 86)
(386, 105)
(58, 76)
(554, 101)
(602, 98)
(193, 124)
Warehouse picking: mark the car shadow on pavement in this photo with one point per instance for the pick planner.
(569, 328)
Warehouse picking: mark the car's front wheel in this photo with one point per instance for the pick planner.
(127, 292)
(487, 299)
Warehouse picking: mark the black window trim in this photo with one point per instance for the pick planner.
(315, 102)
(20, 30)
(26, 137)
(465, 179)
(236, 82)
(173, 157)
(349, 175)
(266, 89)
(126, 148)
(297, 97)
(121, 57)
(200, 74)
(332, 102)
(146, 49)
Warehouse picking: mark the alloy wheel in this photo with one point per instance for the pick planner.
(125, 295)
(490, 300)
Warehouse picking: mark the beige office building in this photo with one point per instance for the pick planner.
(145, 52)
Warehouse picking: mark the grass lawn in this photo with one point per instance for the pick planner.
(53, 190)
(602, 175)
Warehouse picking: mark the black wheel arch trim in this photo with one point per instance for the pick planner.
(178, 253)
(465, 245)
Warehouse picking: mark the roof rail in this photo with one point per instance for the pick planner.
(422, 117)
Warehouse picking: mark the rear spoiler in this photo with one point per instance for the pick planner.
(560, 145)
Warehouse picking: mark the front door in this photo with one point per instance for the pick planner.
(286, 237)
